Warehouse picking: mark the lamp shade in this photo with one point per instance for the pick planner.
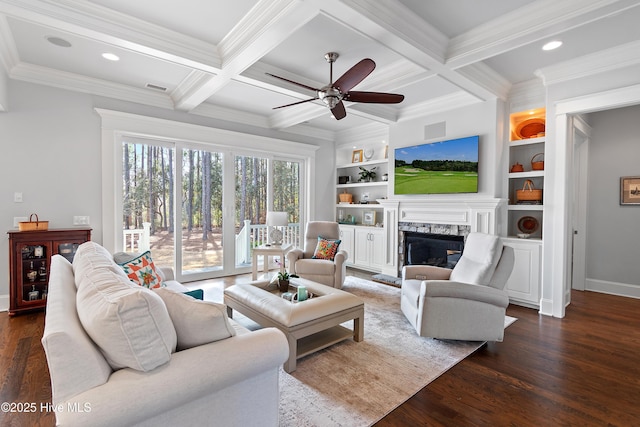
(277, 219)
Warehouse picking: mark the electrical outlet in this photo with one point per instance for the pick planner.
(17, 219)
(17, 197)
(80, 220)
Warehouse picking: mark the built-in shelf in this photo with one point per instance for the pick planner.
(364, 164)
(528, 174)
(362, 184)
(525, 207)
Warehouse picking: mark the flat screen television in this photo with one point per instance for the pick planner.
(444, 167)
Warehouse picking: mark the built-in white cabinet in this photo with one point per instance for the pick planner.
(347, 236)
(523, 285)
(369, 249)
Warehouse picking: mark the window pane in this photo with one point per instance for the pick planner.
(201, 211)
(286, 197)
(148, 201)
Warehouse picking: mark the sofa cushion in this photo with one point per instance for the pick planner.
(326, 248)
(142, 270)
(196, 322)
(130, 324)
(315, 266)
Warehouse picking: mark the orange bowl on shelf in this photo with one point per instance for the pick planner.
(530, 128)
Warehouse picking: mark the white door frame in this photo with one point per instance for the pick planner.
(581, 139)
(557, 259)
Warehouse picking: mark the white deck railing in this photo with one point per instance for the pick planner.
(252, 235)
(137, 240)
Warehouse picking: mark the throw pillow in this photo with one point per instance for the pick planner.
(196, 293)
(196, 322)
(130, 324)
(142, 270)
(326, 248)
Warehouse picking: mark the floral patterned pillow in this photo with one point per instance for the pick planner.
(142, 271)
(326, 248)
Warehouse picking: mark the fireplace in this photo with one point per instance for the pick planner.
(441, 250)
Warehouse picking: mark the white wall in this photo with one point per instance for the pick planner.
(613, 233)
(51, 153)
(484, 119)
(4, 96)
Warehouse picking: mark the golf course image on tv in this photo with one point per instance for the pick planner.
(444, 167)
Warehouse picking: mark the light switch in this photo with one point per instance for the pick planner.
(17, 197)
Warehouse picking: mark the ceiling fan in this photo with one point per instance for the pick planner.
(334, 93)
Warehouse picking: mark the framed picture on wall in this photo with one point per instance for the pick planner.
(630, 190)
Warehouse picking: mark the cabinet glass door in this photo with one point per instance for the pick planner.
(33, 272)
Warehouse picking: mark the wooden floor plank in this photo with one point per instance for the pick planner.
(581, 370)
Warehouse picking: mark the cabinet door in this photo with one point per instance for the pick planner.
(32, 273)
(361, 247)
(524, 283)
(347, 244)
(376, 248)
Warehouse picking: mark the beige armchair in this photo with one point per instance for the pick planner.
(466, 303)
(327, 272)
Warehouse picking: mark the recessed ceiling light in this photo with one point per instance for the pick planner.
(111, 56)
(58, 41)
(552, 45)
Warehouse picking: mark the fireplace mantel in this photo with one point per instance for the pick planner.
(479, 214)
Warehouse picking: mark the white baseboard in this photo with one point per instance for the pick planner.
(613, 288)
(4, 302)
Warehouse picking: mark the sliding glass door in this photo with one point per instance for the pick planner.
(174, 197)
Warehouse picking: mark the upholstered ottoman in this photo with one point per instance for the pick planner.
(309, 325)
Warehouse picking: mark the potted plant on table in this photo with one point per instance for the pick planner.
(283, 281)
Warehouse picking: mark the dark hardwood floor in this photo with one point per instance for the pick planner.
(583, 370)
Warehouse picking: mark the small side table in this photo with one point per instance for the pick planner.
(266, 252)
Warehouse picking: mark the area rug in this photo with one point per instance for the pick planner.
(356, 384)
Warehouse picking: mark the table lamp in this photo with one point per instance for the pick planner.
(275, 220)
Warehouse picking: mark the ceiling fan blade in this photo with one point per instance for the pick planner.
(295, 83)
(339, 111)
(373, 97)
(296, 103)
(355, 75)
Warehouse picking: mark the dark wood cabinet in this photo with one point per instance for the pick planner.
(30, 255)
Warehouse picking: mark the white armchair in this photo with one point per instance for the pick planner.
(327, 272)
(466, 303)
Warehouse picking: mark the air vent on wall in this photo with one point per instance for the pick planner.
(156, 87)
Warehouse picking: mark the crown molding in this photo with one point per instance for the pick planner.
(438, 105)
(78, 83)
(8, 53)
(488, 78)
(600, 62)
(99, 23)
(365, 133)
(527, 24)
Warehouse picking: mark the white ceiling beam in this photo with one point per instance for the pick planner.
(268, 23)
(95, 22)
(533, 22)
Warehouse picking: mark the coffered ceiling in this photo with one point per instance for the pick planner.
(209, 57)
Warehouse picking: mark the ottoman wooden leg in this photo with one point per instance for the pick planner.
(358, 328)
(290, 364)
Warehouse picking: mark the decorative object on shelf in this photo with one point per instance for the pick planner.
(345, 197)
(531, 128)
(356, 156)
(283, 281)
(385, 177)
(528, 193)
(369, 217)
(368, 153)
(33, 225)
(528, 225)
(517, 167)
(630, 190)
(537, 165)
(344, 179)
(367, 175)
(524, 235)
(275, 220)
(386, 151)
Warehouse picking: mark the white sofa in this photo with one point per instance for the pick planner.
(230, 382)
